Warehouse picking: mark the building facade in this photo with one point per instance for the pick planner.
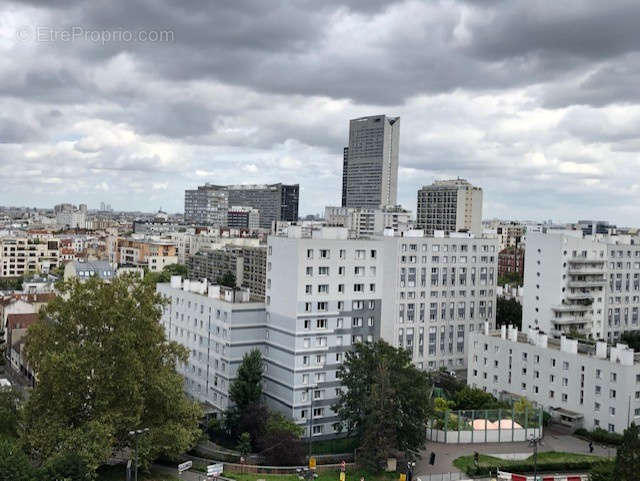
(437, 290)
(209, 204)
(370, 162)
(218, 326)
(19, 255)
(241, 217)
(588, 285)
(581, 385)
(247, 263)
(368, 222)
(511, 260)
(273, 201)
(450, 206)
(323, 295)
(206, 205)
(148, 253)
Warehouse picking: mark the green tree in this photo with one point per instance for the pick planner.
(9, 412)
(246, 389)
(627, 464)
(511, 278)
(475, 398)
(508, 311)
(244, 444)
(632, 339)
(380, 380)
(105, 367)
(280, 444)
(14, 463)
(165, 274)
(602, 471)
(227, 279)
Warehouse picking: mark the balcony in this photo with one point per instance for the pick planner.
(571, 308)
(581, 284)
(585, 272)
(585, 260)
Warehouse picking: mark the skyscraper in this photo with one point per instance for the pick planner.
(370, 162)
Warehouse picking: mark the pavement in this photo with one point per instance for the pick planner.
(446, 453)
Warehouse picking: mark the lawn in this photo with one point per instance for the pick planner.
(547, 461)
(117, 473)
(352, 475)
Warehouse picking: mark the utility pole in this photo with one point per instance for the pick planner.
(535, 441)
(137, 433)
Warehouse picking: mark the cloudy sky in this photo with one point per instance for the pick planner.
(131, 102)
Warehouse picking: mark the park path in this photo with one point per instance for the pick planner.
(446, 453)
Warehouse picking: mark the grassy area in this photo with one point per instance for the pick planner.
(547, 461)
(352, 475)
(118, 473)
(335, 446)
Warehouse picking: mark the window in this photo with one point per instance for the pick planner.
(323, 288)
(309, 253)
(323, 270)
(305, 379)
(309, 271)
(324, 253)
(322, 306)
(321, 323)
(318, 429)
(308, 289)
(358, 288)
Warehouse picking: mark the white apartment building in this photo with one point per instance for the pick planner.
(323, 295)
(581, 385)
(368, 222)
(451, 206)
(218, 326)
(437, 290)
(588, 285)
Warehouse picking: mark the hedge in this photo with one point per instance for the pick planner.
(599, 435)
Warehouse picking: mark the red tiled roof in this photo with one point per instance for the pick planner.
(19, 321)
(36, 297)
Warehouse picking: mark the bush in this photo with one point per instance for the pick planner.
(601, 436)
(547, 461)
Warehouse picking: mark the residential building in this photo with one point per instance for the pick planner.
(84, 270)
(17, 325)
(437, 290)
(509, 234)
(580, 384)
(242, 217)
(511, 260)
(368, 222)
(592, 227)
(20, 255)
(68, 217)
(218, 326)
(370, 162)
(324, 294)
(206, 205)
(578, 284)
(451, 206)
(154, 254)
(247, 263)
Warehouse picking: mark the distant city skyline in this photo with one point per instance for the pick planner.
(546, 125)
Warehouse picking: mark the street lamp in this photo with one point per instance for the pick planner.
(535, 442)
(137, 434)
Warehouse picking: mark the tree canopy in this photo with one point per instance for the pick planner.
(385, 401)
(627, 464)
(632, 339)
(104, 368)
(508, 311)
(246, 389)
